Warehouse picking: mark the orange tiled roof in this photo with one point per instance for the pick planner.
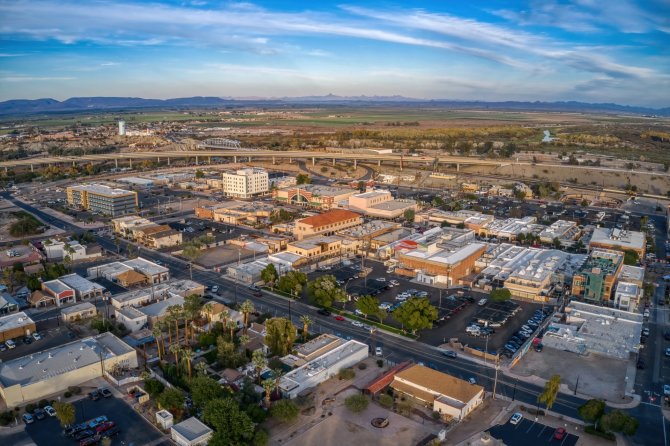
(330, 217)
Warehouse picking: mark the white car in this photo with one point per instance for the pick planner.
(394, 282)
(516, 418)
(385, 306)
(380, 279)
(10, 344)
(400, 298)
(358, 312)
(378, 351)
(50, 411)
(215, 289)
(37, 336)
(356, 323)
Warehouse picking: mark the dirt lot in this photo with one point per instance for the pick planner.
(222, 255)
(598, 376)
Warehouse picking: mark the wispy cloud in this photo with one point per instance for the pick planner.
(35, 78)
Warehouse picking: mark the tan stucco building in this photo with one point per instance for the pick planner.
(327, 223)
(42, 374)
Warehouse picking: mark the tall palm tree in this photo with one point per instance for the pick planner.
(187, 355)
(259, 361)
(175, 349)
(268, 385)
(244, 339)
(192, 307)
(174, 313)
(306, 322)
(225, 316)
(246, 308)
(208, 309)
(158, 334)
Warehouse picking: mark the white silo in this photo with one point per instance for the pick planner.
(122, 127)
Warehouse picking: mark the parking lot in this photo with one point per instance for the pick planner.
(134, 430)
(527, 432)
(52, 335)
(456, 308)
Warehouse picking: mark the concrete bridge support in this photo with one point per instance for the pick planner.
(273, 161)
(313, 161)
(196, 160)
(379, 163)
(131, 162)
(116, 162)
(168, 161)
(235, 159)
(32, 168)
(355, 164)
(333, 162)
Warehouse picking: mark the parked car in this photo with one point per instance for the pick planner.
(645, 332)
(482, 302)
(539, 347)
(380, 279)
(106, 393)
(88, 441)
(559, 433)
(385, 306)
(95, 395)
(378, 351)
(50, 411)
(110, 433)
(3, 348)
(511, 347)
(39, 414)
(472, 380)
(97, 421)
(666, 389)
(27, 340)
(37, 336)
(83, 434)
(667, 351)
(107, 425)
(516, 418)
(27, 418)
(640, 364)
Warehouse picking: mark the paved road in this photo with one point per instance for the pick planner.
(652, 426)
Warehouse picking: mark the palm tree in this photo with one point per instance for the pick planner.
(175, 312)
(193, 308)
(175, 349)
(277, 374)
(225, 316)
(187, 356)
(167, 322)
(246, 308)
(65, 413)
(268, 385)
(208, 309)
(201, 368)
(244, 339)
(306, 322)
(158, 335)
(259, 361)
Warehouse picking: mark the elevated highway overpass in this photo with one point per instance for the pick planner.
(206, 156)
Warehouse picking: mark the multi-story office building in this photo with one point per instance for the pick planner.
(246, 183)
(595, 280)
(102, 199)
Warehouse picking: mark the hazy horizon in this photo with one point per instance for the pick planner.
(499, 51)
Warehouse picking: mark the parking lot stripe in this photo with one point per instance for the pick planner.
(540, 433)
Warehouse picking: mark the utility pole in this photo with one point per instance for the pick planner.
(495, 382)
(516, 380)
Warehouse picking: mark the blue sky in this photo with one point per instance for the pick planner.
(586, 50)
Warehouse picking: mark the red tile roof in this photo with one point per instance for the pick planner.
(328, 218)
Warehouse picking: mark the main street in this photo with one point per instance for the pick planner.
(652, 430)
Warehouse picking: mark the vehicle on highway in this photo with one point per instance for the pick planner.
(339, 318)
(356, 323)
(516, 418)
(215, 289)
(450, 354)
(323, 312)
(378, 351)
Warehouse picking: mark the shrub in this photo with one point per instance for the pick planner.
(380, 363)
(30, 407)
(347, 373)
(362, 366)
(386, 400)
(436, 415)
(43, 403)
(67, 394)
(356, 403)
(6, 418)
(74, 390)
(153, 387)
(285, 411)
(606, 435)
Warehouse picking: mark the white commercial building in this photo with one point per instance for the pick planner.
(627, 296)
(133, 319)
(246, 183)
(322, 368)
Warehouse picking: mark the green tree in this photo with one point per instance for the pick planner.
(550, 392)
(306, 322)
(501, 294)
(556, 243)
(386, 400)
(191, 253)
(261, 438)
(302, 178)
(409, 215)
(171, 399)
(205, 389)
(65, 413)
(415, 314)
(292, 282)
(369, 306)
(259, 361)
(324, 291)
(269, 274)
(592, 410)
(356, 403)
(619, 421)
(631, 257)
(280, 334)
(231, 424)
(285, 411)
(246, 308)
(153, 387)
(199, 174)
(228, 355)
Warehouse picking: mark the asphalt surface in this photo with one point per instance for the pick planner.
(652, 430)
(527, 432)
(134, 430)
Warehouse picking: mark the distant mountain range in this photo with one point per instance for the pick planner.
(32, 106)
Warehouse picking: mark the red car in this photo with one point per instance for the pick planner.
(339, 318)
(559, 433)
(105, 427)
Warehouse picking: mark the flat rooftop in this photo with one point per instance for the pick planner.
(78, 308)
(130, 312)
(192, 429)
(446, 256)
(319, 365)
(62, 359)
(308, 349)
(57, 286)
(618, 237)
(79, 283)
(158, 291)
(631, 273)
(145, 266)
(15, 320)
(324, 191)
(101, 189)
(393, 205)
(158, 308)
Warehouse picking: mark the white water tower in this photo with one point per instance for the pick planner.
(122, 127)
